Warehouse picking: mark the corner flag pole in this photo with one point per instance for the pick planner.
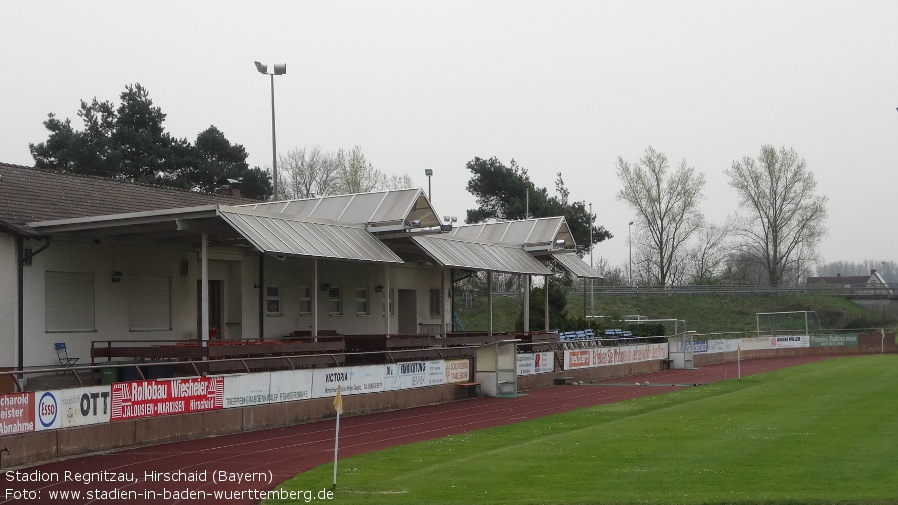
(338, 404)
(738, 361)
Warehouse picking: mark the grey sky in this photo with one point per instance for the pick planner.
(558, 86)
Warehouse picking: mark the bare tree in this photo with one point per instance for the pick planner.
(307, 173)
(706, 256)
(784, 219)
(355, 174)
(666, 205)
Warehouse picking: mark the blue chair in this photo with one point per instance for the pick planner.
(63, 355)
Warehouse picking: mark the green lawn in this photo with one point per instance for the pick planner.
(823, 433)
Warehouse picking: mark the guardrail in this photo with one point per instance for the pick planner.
(847, 290)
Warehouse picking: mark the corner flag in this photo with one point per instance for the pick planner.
(338, 402)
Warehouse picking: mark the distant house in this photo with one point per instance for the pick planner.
(85, 260)
(858, 284)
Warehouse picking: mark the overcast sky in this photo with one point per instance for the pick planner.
(559, 86)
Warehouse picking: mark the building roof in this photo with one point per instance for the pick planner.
(30, 195)
(847, 280)
(398, 207)
(452, 252)
(540, 231)
(573, 264)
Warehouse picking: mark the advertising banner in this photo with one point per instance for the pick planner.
(458, 370)
(413, 374)
(365, 379)
(72, 407)
(613, 355)
(16, 413)
(247, 389)
(793, 341)
(148, 398)
(326, 380)
(847, 340)
(758, 343)
(537, 362)
(290, 385)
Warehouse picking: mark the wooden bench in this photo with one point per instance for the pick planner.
(561, 381)
(469, 389)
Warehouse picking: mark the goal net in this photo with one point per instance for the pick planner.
(796, 322)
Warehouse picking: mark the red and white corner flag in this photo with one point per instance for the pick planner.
(338, 405)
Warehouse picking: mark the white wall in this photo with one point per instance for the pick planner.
(236, 268)
(111, 298)
(9, 325)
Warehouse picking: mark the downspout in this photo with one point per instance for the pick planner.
(20, 254)
(261, 296)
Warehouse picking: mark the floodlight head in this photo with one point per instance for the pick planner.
(428, 172)
(263, 69)
(416, 223)
(280, 68)
(559, 242)
(630, 223)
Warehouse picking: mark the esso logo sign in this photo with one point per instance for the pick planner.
(47, 408)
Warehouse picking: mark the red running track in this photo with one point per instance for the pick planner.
(278, 454)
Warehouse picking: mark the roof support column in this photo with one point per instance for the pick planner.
(546, 304)
(387, 300)
(526, 303)
(489, 294)
(204, 290)
(314, 300)
(443, 300)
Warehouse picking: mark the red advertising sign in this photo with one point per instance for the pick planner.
(132, 400)
(578, 359)
(16, 413)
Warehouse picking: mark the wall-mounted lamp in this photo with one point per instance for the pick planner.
(416, 223)
(378, 288)
(116, 276)
(325, 286)
(559, 242)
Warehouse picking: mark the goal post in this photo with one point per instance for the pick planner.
(791, 322)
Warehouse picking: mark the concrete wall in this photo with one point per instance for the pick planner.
(9, 316)
(30, 448)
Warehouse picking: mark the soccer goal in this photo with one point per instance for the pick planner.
(803, 322)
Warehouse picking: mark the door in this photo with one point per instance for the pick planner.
(408, 312)
(216, 328)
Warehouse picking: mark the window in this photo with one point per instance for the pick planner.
(392, 301)
(436, 305)
(273, 301)
(69, 301)
(334, 301)
(361, 301)
(305, 300)
(149, 303)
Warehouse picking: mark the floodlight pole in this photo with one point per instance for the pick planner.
(429, 172)
(592, 288)
(277, 69)
(630, 241)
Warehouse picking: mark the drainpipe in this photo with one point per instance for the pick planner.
(20, 254)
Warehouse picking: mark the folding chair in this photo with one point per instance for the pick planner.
(63, 354)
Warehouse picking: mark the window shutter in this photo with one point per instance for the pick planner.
(149, 303)
(69, 301)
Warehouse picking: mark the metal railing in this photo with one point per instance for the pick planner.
(848, 290)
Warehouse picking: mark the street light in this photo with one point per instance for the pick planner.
(428, 172)
(278, 69)
(630, 240)
(592, 286)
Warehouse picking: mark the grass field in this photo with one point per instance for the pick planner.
(825, 433)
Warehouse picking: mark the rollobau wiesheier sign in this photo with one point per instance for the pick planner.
(148, 398)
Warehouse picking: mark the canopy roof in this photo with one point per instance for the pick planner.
(457, 253)
(573, 264)
(544, 232)
(375, 210)
(235, 226)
